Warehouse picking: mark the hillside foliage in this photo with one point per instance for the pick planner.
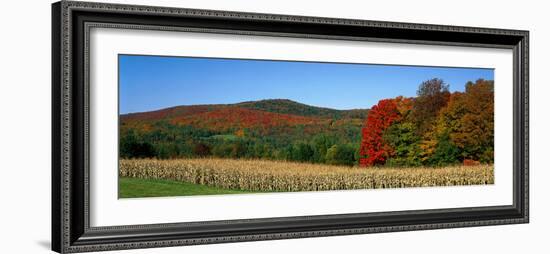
(268, 129)
(435, 128)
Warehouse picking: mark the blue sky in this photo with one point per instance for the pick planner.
(154, 82)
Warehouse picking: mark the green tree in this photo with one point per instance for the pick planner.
(302, 152)
(403, 139)
(320, 144)
(222, 150)
(446, 152)
(185, 149)
(238, 150)
(166, 150)
(341, 155)
(132, 146)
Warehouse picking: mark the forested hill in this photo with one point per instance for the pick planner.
(279, 106)
(284, 106)
(270, 129)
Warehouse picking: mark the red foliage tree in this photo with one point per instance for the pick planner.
(373, 150)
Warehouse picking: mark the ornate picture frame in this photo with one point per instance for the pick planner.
(71, 24)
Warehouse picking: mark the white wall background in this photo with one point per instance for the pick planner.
(25, 125)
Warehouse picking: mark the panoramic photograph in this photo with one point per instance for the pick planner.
(216, 126)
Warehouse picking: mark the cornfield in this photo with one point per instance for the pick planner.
(281, 176)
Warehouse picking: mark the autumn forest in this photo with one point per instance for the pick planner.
(200, 126)
(435, 128)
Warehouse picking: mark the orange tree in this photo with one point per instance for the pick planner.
(468, 120)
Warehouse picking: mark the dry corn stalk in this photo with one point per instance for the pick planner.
(265, 175)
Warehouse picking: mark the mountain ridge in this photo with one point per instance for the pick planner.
(276, 129)
(280, 106)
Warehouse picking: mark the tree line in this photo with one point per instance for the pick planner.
(337, 145)
(436, 128)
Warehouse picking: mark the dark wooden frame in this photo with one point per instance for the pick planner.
(71, 22)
